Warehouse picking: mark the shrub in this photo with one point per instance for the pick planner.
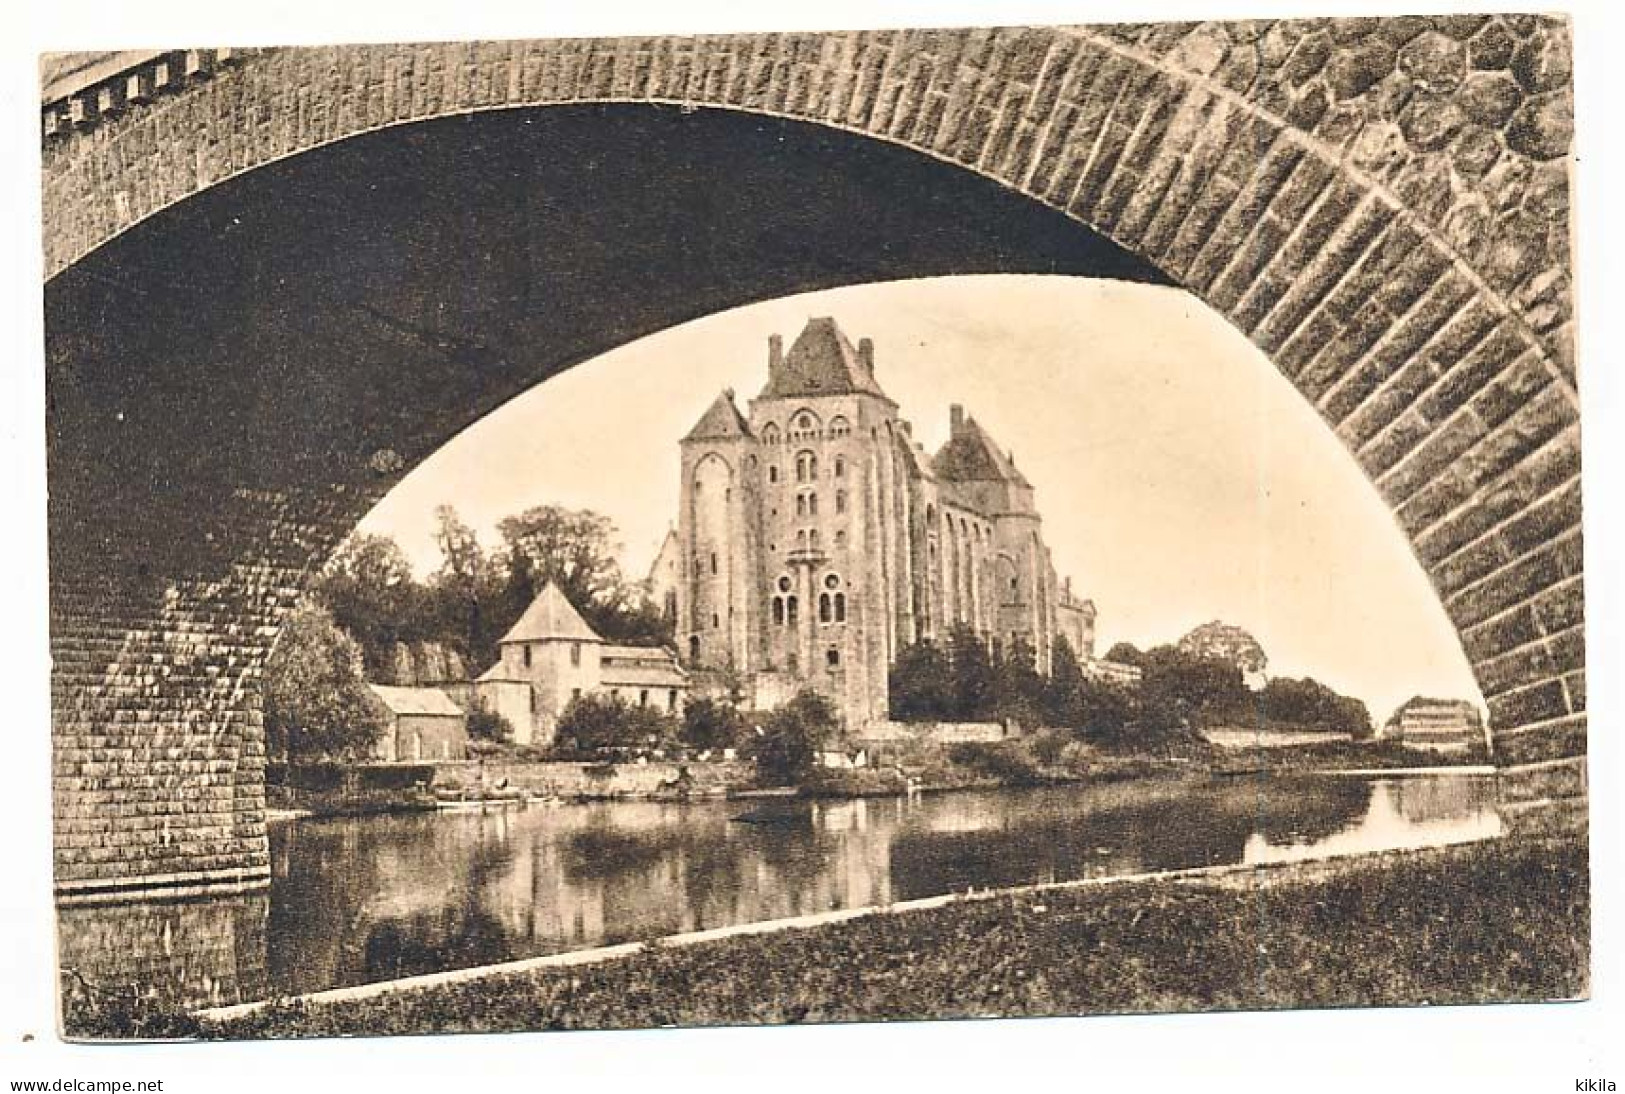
(485, 724)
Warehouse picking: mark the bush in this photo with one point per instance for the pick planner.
(487, 725)
(708, 723)
(603, 722)
(788, 746)
(1006, 761)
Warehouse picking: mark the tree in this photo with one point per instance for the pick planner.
(712, 724)
(1198, 689)
(921, 684)
(485, 724)
(317, 705)
(369, 588)
(1310, 704)
(1126, 653)
(601, 722)
(1018, 689)
(577, 550)
(466, 589)
(791, 738)
(973, 684)
(1065, 683)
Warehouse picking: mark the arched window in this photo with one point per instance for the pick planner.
(790, 612)
(812, 505)
(778, 611)
(840, 607)
(832, 657)
(840, 538)
(826, 610)
(643, 697)
(838, 427)
(770, 434)
(801, 505)
(840, 501)
(693, 647)
(812, 539)
(806, 423)
(806, 467)
(801, 539)
(840, 467)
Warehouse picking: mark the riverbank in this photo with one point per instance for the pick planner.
(1487, 921)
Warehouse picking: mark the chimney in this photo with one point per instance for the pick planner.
(956, 420)
(775, 351)
(866, 354)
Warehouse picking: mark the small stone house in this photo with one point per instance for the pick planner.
(1437, 725)
(551, 656)
(424, 724)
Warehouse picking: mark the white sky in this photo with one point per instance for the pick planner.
(1180, 477)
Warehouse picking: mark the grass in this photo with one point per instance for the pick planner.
(1503, 921)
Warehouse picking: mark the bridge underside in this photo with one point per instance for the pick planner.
(279, 280)
(233, 382)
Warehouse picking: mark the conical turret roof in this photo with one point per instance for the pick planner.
(551, 616)
(822, 361)
(721, 421)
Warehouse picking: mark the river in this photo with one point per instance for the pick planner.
(362, 899)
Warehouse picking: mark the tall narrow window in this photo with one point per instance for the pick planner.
(825, 609)
(790, 610)
(671, 699)
(840, 607)
(778, 611)
(812, 505)
(575, 653)
(526, 651)
(773, 473)
(840, 467)
(840, 501)
(833, 658)
(801, 505)
(713, 562)
(643, 697)
(693, 647)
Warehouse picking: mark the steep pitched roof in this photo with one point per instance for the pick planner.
(416, 700)
(820, 362)
(551, 615)
(971, 455)
(721, 421)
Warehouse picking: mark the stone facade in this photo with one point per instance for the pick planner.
(551, 656)
(1381, 205)
(816, 538)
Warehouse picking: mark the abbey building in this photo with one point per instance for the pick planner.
(816, 538)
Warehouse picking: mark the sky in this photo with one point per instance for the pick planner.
(1180, 477)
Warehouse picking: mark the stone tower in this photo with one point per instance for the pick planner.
(815, 538)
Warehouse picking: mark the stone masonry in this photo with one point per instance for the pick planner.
(1381, 205)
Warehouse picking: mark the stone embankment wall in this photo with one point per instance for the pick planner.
(595, 780)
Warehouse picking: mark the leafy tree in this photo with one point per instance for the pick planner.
(369, 588)
(598, 722)
(577, 551)
(1126, 653)
(1196, 690)
(485, 724)
(1018, 689)
(921, 684)
(317, 705)
(791, 738)
(466, 589)
(1065, 679)
(710, 723)
(1312, 705)
(973, 682)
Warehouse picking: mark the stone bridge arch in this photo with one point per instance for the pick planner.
(1380, 205)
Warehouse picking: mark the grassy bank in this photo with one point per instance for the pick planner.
(1503, 921)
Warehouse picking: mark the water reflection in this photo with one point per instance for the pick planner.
(374, 898)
